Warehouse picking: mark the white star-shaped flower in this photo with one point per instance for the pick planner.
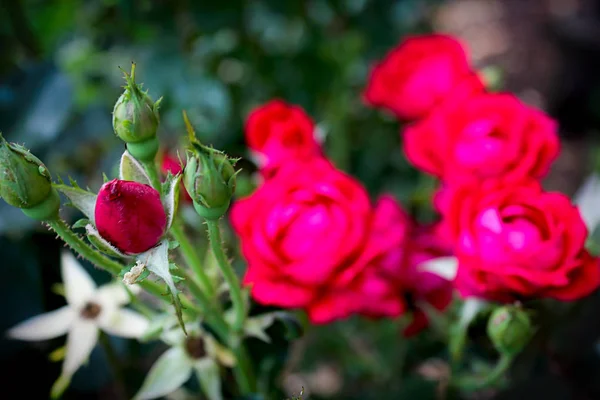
(198, 352)
(89, 308)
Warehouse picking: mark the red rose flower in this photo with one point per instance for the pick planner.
(130, 216)
(280, 132)
(419, 74)
(399, 266)
(303, 232)
(487, 136)
(519, 242)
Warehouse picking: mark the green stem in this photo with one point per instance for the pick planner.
(191, 257)
(152, 172)
(474, 383)
(212, 315)
(110, 265)
(214, 235)
(243, 371)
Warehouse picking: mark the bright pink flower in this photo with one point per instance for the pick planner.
(486, 136)
(130, 216)
(280, 132)
(304, 233)
(421, 73)
(515, 242)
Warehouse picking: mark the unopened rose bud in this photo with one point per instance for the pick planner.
(130, 216)
(25, 182)
(209, 178)
(509, 328)
(135, 120)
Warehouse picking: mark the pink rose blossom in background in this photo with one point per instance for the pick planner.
(421, 72)
(280, 133)
(487, 136)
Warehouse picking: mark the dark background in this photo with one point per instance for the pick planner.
(59, 79)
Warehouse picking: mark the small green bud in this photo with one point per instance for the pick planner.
(209, 177)
(135, 119)
(25, 182)
(509, 328)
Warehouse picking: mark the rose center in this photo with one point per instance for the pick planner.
(479, 144)
(522, 234)
(309, 228)
(195, 347)
(90, 310)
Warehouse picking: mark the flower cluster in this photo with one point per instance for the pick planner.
(489, 150)
(313, 239)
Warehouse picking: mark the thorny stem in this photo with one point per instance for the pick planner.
(243, 370)
(191, 258)
(214, 235)
(473, 383)
(212, 315)
(110, 265)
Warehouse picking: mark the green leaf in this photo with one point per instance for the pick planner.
(81, 223)
(130, 169)
(81, 199)
(100, 243)
(157, 261)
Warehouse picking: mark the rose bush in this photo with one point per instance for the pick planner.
(516, 242)
(486, 136)
(419, 74)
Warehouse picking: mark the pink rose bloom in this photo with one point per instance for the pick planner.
(519, 242)
(486, 136)
(301, 230)
(280, 133)
(130, 216)
(419, 74)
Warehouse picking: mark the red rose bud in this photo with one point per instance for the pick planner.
(25, 182)
(509, 328)
(135, 120)
(130, 216)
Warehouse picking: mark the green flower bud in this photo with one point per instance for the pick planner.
(135, 119)
(25, 182)
(209, 178)
(509, 328)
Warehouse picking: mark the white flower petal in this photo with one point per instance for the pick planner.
(79, 286)
(125, 323)
(115, 294)
(220, 353)
(444, 267)
(587, 199)
(81, 340)
(172, 369)
(44, 326)
(209, 376)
